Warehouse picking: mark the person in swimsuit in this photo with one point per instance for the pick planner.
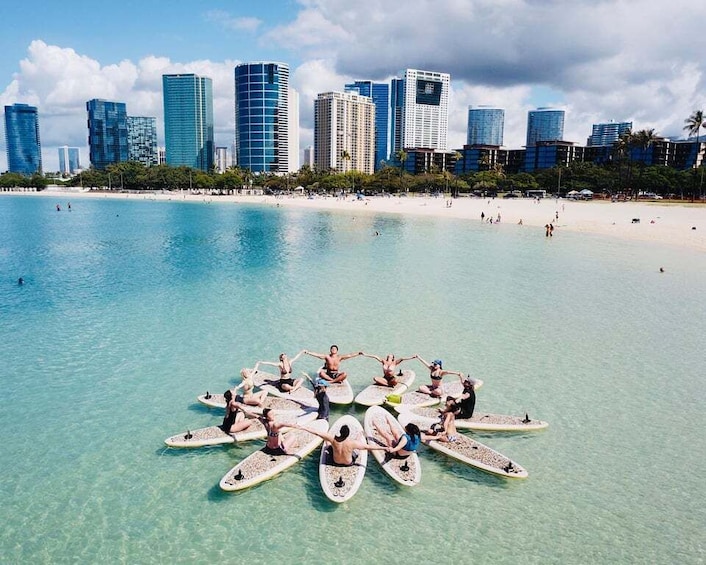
(343, 448)
(250, 397)
(436, 373)
(467, 401)
(276, 443)
(286, 383)
(332, 362)
(401, 445)
(234, 420)
(389, 368)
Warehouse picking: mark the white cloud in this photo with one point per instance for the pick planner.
(224, 19)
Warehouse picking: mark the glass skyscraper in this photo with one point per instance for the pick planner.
(380, 93)
(262, 116)
(608, 134)
(545, 124)
(396, 109)
(24, 150)
(485, 126)
(107, 132)
(69, 160)
(142, 140)
(188, 120)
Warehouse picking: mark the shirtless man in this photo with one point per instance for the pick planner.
(343, 447)
(332, 362)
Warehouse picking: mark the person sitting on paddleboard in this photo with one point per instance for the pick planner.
(389, 368)
(343, 449)
(467, 401)
(286, 383)
(436, 373)
(234, 420)
(250, 397)
(330, 371)
(276, 443)
(401, 445)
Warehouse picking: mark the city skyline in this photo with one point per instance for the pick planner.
(589, 61)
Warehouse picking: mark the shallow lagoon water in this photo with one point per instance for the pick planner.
(131, 308)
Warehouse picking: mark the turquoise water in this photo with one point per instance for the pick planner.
(130, 309)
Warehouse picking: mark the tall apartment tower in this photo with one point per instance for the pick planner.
(380, 94)
(609, 133)
(425, 110)
(142, 140)
(544, 124)
(188, 120)
(69, 160)
(24, 150)
(344, 132)
(309, 156)
(107, 132)
(396, 112)
(262, 119)
(221, 159)
(293, 131)
(485, 125)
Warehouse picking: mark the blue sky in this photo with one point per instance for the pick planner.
(622, 60)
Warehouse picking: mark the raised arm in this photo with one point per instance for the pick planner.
(401, 359)
(297, 356)
(350, 355)
(423, 362)
(371, 356)
(325, 436)
(317, 355)
(268, 363)
(459, 373)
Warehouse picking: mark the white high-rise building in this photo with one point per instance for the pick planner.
(221, 159)
(344, 132)
(293, 131)
(425, 111)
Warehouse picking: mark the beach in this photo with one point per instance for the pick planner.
(670, 224)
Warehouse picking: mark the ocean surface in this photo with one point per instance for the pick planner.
(131, 308)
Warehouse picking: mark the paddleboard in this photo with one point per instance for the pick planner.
(340, 483)
(406, 471)
(375, 395)
(480, 456)
(279, 404)
(214, 435)
(480, 421)
(260, 466)
(415, 398)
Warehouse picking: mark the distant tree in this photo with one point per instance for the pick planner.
(642, 140)
(693, 125)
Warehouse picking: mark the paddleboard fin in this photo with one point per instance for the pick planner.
(339, 483)
(208, 395)
(239, 476)
(405, 467)
(527, 419)
(188, 435)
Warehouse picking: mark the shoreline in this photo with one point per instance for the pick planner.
(668, 224)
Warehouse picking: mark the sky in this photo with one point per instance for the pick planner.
(599, 60)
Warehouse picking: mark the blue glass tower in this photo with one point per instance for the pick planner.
(107, 132)
(380, 93)
(608, 133)
(24, 150)
(188, 120)
(544, 124)
(69, 160)
(485, 126)
(262, 116)
(142, 139)
(396, 115)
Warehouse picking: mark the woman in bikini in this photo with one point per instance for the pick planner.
(389, 369)
(276, 443)
(286, 383)
(436, 373)
(250, 397)
(234, 420)
(401, 445)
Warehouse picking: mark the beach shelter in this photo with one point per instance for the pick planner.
(587, 194)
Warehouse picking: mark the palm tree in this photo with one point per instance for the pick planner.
(693, 125)
(401, 157)
(643, 139)
(346, 156)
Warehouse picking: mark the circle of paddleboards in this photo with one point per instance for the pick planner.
(341, 482)
(279, 404)
(479, 421)
(375, 394)
(214, 435)
(415, 398)
(407, 471)
(260, 466)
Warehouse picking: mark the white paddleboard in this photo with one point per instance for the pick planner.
(260, 466)
(340, 483)
(406, 471)
(479, 422)
(480, 456)
(279, 404)
(375, 395)
(415, 398)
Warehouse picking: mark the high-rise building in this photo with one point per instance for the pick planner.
(24, 150)
(107, 132)
(262, 116)
(485, 125)
(380, 93)
(69, 160)
(188, 120)
(161, 155)
(293, 131)
(424, 119)
(142, 140)
(344, 132)
(309, 156)
(396, 109)
(221, 159)
(544, 124)
(608, 133)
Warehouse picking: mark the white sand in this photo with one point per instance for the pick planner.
(669, 224)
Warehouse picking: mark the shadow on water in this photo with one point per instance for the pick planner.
(466, 472)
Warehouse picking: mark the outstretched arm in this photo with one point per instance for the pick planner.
(317, 355)
(370, 446)
(401, 359)
(297, 356)
(268, 363)
(444, 373)
(324, 436)
(378, 359)
(423, 362)
(350, 355)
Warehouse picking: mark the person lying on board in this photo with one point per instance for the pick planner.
(332, 362)
(286, 383)
(400, 445)
(250, 397)
(436, 373)
(389, 368)
(344, 448)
